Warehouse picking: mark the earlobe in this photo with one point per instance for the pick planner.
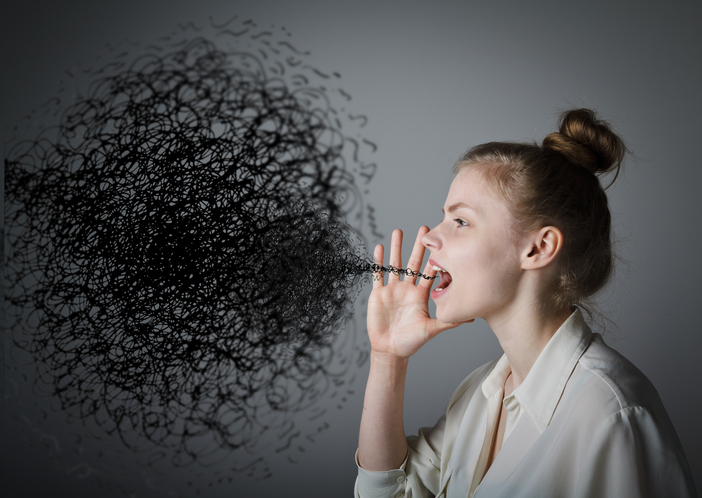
(545, 245)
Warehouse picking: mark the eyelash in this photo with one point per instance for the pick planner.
(460, 222)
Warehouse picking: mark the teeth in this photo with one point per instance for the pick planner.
(438, 269)
(439, 289)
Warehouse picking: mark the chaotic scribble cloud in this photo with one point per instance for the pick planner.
(185, 245)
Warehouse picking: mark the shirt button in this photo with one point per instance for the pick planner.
(400, 480)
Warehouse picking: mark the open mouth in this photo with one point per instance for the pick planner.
(445, 279)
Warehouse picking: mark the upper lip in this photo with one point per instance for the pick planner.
(437, 265)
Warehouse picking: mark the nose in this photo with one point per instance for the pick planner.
(431, 239)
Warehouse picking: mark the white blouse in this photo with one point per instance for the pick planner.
(585, 422)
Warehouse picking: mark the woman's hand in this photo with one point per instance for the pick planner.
(398, 314)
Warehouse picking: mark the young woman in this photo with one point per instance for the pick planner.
(525, 241)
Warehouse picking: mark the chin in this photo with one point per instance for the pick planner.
(447, 316)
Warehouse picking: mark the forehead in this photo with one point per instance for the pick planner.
(472, 188)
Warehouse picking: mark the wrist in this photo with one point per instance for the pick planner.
(388, 371)
(388, 359)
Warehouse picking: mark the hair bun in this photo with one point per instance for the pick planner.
(587, 141)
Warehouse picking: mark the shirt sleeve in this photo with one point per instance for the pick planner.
(633, 455)
(418, 477)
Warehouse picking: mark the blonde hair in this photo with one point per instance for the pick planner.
(557, 184)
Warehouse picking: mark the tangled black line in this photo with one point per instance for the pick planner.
(379, 270)
(179, 260)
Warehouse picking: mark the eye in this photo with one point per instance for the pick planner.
(460, 223)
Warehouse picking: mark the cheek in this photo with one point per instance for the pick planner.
(496, 268)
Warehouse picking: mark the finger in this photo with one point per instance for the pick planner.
(395, 255)
(378, 260)
(426, 283)
(415, 261)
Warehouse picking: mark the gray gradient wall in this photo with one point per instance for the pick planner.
(435, 78)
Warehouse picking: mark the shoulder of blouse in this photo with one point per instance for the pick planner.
(618, 377)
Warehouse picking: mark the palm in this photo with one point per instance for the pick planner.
(398, 319)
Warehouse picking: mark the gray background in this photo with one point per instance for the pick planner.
(435, 78)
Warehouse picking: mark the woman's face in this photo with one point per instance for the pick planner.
(479, 251)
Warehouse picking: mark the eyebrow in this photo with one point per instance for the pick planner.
(455, 206)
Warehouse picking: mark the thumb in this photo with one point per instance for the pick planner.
(435, 327)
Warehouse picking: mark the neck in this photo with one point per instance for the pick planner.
(523, 334)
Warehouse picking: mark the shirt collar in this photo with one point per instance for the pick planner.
(543, 386)
(495, 381)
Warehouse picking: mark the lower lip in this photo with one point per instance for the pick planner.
(438, 293)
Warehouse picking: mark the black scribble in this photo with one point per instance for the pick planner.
(317, 415)
(287, 428)
(372, 223)
(178, 43)
(373, 145)
(52, 102)
(226, 23)
(345, 95)
(292, 62)
(362, 117)
(234, 34)
(300, 80)
(180, 262)
(154, 48)
(379, 271)
(368, 171)
(279, 68)
(261, 34)
(355, 148)
(115, 66)
(288, 442)
(292, 48)
(191, 25)
(317, 72)
(182, 259)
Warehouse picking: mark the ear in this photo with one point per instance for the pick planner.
(544, 245)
